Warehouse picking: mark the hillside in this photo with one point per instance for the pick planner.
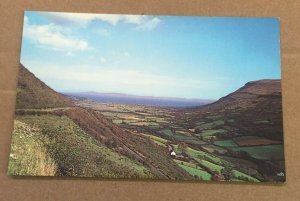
(82, 142)
(33, 93)
(246, 124)
(254, 109)
(133, 145)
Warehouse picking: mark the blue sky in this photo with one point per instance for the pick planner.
(170, 56)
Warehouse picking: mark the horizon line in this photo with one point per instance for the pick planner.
(141, 96)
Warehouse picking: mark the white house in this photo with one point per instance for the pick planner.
(173, 153)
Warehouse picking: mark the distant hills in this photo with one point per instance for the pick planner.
(33, 93)
(140, 100)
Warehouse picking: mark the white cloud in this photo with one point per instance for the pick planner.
(114, 79)
(135, 19)
(53, 37)
(83, 19)
(84, 77)
(149, 25)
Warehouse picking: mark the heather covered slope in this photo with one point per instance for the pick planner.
(133, 145)
(254, 109)
(33, 93)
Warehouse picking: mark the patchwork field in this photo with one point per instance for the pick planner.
(203, 148)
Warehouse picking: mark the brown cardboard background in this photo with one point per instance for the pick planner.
(11, 17)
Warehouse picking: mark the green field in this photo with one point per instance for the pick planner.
(225, 143)
(211, 125)
(212, 148)
(210, 165)
(238, 174)
(167, 132)
(196, 154)
(191, 169)
(188, 139)
(265, 152)
(212, 132)
(158, 140)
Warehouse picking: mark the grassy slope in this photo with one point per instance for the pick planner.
(28, 154)
(77, 154)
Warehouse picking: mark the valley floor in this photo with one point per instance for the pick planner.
(155, 142)
(203, 148)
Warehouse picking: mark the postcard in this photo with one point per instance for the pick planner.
(149, 97)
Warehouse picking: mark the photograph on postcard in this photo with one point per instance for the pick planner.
(149, 97)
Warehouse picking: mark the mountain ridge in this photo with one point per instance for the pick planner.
(132, 95)
(254, 102)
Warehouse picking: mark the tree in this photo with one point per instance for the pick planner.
(227, 172)
(182, 148)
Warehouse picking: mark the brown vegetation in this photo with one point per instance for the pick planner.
(132, 145)
(33, 93)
